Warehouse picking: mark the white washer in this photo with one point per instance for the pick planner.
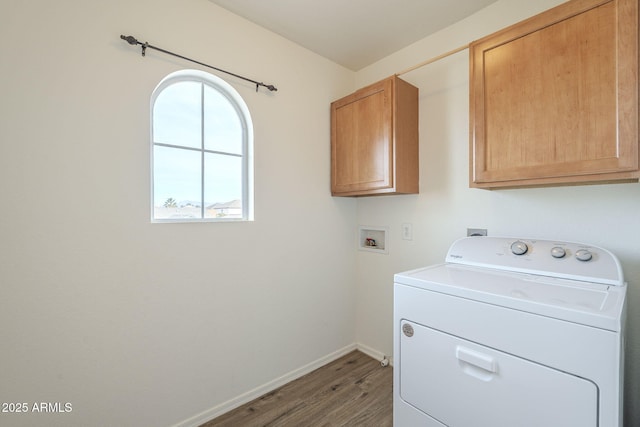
(510, 332)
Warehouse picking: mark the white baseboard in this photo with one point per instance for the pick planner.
(224, 407)
(378, 355)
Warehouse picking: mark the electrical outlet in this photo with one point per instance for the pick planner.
(407, 231)
(476, 232)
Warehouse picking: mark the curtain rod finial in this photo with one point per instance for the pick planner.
(270, 87)
(129, 39)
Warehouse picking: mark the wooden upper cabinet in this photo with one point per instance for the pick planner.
(554, 99)
(374, 140)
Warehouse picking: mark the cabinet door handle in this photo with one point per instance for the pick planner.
(480, 360)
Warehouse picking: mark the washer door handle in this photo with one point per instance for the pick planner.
(479, 360)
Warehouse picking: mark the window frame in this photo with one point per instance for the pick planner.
(236, 101)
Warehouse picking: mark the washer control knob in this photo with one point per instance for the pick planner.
(558, 252)
(584, 255)
(519, 248)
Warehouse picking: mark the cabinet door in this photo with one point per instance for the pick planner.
(554, 99)
(361, 140)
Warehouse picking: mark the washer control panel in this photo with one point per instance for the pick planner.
(520, 248)
(576, 261)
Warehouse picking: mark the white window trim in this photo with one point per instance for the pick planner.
(247, 124)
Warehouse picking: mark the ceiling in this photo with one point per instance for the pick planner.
(354, 33)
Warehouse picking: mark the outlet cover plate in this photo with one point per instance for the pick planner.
(476, 232)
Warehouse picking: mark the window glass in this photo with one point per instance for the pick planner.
(201, 150)
(222, 126)
(223, 186)
(177, 183)
(177, 117)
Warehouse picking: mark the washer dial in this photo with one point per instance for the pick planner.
(584, 255)
(558, 252)
(519, 248)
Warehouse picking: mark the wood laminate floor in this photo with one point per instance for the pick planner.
(351, 391)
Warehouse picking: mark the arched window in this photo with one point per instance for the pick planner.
(202, 141)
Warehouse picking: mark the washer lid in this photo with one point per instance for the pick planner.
(594, 304)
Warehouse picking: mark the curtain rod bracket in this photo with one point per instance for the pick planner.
(133, 41)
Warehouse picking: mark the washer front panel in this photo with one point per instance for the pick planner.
(566, 346)
(591, 353)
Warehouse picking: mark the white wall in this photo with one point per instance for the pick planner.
(139, 324)
(605, 215)
(152, 324)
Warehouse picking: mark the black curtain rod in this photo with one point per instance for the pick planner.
(132, 41)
